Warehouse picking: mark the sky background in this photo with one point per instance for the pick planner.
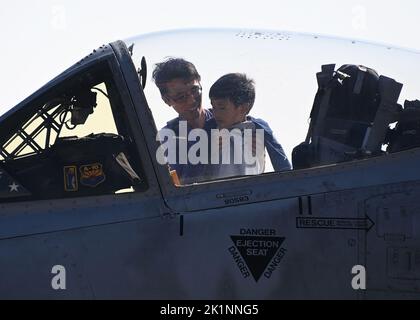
(40, 39)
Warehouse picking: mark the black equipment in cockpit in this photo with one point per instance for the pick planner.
(93, 165)
(350, 116)
(83, 102)
(406, 134)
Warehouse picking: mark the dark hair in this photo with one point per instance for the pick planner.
(234, 86)
(173, 68)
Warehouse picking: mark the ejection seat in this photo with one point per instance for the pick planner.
(350, 116)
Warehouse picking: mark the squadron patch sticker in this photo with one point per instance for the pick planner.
(257, 252)
(70, 179)
(92, 175)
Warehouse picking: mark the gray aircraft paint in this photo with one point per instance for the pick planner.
(173, 243)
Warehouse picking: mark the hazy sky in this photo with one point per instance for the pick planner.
(40, 39)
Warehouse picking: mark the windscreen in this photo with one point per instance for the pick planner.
(283, 66)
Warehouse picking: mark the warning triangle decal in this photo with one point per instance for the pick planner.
(257, 251)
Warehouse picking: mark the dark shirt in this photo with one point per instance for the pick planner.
(190, 173)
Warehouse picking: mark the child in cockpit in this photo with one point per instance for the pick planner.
(239, 142)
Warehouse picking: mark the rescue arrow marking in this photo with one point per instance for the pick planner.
(334, 223)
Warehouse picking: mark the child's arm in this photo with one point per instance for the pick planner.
(275, 150)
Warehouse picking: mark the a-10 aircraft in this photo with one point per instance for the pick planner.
(88, 212)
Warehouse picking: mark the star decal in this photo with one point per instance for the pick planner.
(14, 187)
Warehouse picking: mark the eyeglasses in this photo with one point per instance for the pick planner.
(194, 91)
